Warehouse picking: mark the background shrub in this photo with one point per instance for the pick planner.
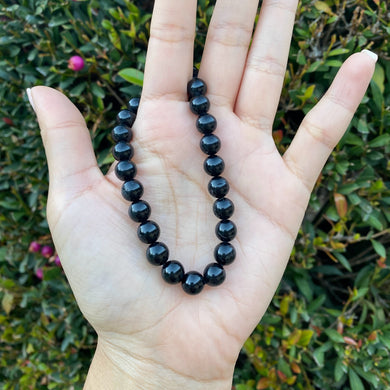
(328, 325)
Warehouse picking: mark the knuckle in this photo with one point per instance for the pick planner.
(171, 33)
(230, 34)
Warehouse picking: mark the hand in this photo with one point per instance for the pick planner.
(152, 335)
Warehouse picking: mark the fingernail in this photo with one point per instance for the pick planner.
(30, 98)
(373, 55)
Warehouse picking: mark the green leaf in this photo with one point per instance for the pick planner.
(354, 380)
(368, 376)
(379, 248)
(78, 89)
(7, 302)
(377, 96)
(305, 338)
(379, 77)
(98, 91)
(339, 370)
(339, 51)
(334, 335)
(343, 261)
(361, 292)
(334, 63)
(385, 340)
(375, 222)
(132, 75)
(380, 141)
(323, 7)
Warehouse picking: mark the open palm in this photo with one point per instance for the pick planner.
(140, 320)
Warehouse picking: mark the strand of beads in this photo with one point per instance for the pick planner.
(148, 231)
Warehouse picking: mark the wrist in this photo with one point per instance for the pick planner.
(112, 369)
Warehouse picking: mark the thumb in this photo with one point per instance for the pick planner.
(69, 152)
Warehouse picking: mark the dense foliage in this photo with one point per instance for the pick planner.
(328, 326)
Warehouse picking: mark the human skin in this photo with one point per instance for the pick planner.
(152, 335)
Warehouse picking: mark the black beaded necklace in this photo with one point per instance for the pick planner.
(148, 232)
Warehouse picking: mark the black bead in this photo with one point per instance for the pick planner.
(157, 253)
(224, 253)
(214, 165)
(122, 151)
(199, 105)
(172, 272)
(126, 117)
(226, 230)
(206, 124)
(210, 144)
(223, 208)
(148, 232)
(139, 211)
(132, 190)
(214, 274)
(196, 87)
(125, 170)
(218, 187)
(122, 133)
(193, 283)
(133, 105)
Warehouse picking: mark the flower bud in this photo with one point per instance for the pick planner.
(57, 261)
(34, 247)
(76, 63)
(39, 273)
(47, 251)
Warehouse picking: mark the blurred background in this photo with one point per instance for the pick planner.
(328, 326)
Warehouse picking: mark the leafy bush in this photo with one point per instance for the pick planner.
(327, 327)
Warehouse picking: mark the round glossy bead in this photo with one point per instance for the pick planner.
(126, 117)
(196, 87)
(224, 253)
(132, 190)
(148, 232)
(218, 187)
(172, 272)
(214, 165)
(157, 253)
(122, 151)
(121, 133)
(210, 144)
(199, 105)
(226, 230)
(133, 105)
(214, 274)
(223, 208)
(206, 124)
(139, 211)
(193, 283)
(125, 170)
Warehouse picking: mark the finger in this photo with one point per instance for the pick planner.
(170, 50)
(266, 65)
(226, 48)
(66, 139)
(325, 124)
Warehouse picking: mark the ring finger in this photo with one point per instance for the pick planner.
(262, 83)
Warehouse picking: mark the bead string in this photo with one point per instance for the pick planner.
(148, 232)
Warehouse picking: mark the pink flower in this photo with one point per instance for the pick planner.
(57, 261)
(34, 247)
(39, 273)
(76, 63)
(47, 251)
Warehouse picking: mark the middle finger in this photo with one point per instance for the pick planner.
(226, 48)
